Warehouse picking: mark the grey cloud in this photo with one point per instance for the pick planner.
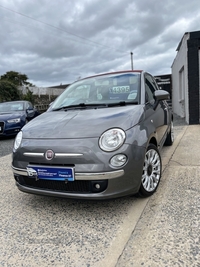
(109, 30)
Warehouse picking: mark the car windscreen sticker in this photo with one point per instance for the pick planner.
(119, 92)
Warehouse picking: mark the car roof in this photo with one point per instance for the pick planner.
(115, 72)
(14, 101)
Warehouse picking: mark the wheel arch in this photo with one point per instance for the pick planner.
(153, 141)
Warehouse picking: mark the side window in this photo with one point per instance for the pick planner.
(30, 105)
(150, 88)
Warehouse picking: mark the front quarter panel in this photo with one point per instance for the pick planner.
(138, 135)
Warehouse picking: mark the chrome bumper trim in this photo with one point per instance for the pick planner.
(68, 155)
(81, 176)
(57, 155)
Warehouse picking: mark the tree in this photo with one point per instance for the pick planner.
(29, 96)
(16, 78)
(8, 91)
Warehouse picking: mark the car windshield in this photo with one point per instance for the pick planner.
(101, 90)
(11, 106)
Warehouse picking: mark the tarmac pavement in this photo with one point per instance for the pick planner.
(160, 231)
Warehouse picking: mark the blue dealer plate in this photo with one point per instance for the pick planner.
(51, 173)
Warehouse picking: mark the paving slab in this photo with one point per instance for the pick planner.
(188, 151)
(168, 232)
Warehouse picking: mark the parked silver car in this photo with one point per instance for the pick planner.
(100, 139)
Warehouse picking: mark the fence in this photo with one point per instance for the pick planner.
(42, 96)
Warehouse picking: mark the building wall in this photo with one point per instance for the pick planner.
(180, 100)
(193, 77)
(199, 79)
(186, 78)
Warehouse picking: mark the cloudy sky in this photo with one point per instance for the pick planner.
(59, 41)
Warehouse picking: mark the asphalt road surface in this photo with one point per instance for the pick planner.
(6, 145)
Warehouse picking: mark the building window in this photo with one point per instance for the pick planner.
(181, 84)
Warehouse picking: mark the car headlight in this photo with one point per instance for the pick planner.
(18, 140)
(14, 120)
(112, 139)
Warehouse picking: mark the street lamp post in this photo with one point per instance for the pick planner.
(132, 60)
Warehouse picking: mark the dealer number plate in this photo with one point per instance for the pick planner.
(50, 173)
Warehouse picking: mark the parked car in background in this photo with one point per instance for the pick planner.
(100, 139)
(14, 115)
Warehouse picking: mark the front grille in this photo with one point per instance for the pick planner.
(76, 186)
(61, 186)
(1, 126)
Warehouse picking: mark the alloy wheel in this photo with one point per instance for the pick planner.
(151, 170)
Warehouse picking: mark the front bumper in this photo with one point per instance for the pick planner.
(9, 129)
(80, 176)
(85, 186)
(94, 177)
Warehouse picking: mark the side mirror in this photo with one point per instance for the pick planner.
(161, 95)
(29, 112)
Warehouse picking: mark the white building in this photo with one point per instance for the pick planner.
(185, 78)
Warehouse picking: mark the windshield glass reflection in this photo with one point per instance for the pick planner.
(105, 89)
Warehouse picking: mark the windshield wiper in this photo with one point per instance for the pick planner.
(81, 105)
(96, 105)
(122, 103)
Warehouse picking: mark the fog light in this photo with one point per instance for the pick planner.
(118, 160)
(97, 186)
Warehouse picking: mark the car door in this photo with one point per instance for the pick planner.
(29, 110)
(155, 112)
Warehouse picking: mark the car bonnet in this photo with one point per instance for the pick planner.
(85, 123)
(8, 115)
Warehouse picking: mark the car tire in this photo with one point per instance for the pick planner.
(170, 136)
(152, 170)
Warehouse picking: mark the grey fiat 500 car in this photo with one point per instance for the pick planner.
(100, 139)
